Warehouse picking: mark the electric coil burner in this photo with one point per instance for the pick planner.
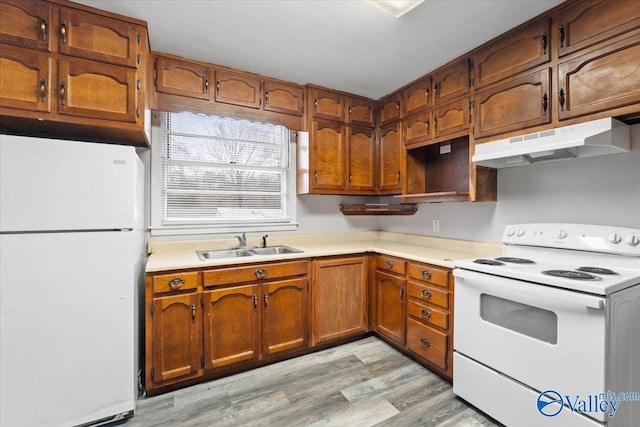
(555, 315)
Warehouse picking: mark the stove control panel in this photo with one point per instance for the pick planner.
(583, 237)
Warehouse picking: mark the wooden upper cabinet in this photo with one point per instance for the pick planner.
(600, 80)
(25, 79)
(451, 82)
(417, 97)
(97, 37)
(326, 104)
(237, 89)
(390, 156)
(361, 158)
(513, 105)
(518, 52)
(452, 118)
(26, 24)
(183, 78)
(390, 109)
(328, 142)
(417, 128)
(360, 112)
(589, 22)
(102, 91)
(283, 98)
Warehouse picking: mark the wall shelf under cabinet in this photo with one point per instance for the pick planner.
(378, 208)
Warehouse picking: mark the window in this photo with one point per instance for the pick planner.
(213, 174)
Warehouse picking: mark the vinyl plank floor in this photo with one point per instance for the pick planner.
(364, 383)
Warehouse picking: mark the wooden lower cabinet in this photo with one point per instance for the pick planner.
(284, 316)
(338, 298)
(390, 306)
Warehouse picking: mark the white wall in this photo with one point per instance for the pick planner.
(598, 190)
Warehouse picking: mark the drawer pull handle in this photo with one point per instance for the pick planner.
(176, 283)
(425, 293)
(388, 264)
(261, 273)
(426, 274)
(425, 313)
(424, 342)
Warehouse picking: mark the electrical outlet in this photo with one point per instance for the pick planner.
(436, 225)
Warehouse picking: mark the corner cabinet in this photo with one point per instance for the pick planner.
(73, 73)
(338, 298)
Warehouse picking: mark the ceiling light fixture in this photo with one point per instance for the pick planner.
(396, 8)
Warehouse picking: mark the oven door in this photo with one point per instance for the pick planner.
(543, 337)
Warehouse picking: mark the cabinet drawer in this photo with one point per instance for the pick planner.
(175, 282)
(428, 315)
(427, 343)
(429, 273)
(394, 265)
(428, 294)
(252, 273)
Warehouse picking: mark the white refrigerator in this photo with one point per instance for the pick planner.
(71, 271)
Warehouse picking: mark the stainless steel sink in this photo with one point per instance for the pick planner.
(244, 252)
(275, 250)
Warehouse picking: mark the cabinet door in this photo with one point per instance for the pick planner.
(231, 325)
(451, 82)
(237, 89)
(390, 159)
(390, 306)
(90, 36)
(417, 129)
(361, 158)
(417, 97)
(338, 298)
(600, 80)
(390, 109)
(326, 104)
(182, 78)
(177, 340)
(513, 105)
(284, 317)
(283, 98)
(520, 51)
(101, 91)
(26, 24)
(328, 155)
(451, 118)
(588, 22)
(360, 112)
(25, 79)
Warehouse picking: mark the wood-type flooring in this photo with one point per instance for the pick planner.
(363, 383)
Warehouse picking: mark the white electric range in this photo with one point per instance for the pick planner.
(545, 333)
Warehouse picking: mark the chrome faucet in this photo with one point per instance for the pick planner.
(243, 240)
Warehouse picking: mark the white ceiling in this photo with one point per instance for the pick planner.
(348, 45)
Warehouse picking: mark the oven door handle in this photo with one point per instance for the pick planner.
(479, 281)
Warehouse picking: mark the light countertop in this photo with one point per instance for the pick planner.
(178, 255)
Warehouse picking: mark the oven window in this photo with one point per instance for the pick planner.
(525, 319)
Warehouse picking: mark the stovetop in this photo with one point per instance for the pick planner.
(586, 258)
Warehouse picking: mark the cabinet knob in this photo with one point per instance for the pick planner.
(424, 342)
(176, 283)
(261, 273)
(425, 313)
(43, 87)
(63, 32)
(43, 29)
(425, 293)
(388, 264)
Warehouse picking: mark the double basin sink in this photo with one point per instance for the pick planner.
(245, 252)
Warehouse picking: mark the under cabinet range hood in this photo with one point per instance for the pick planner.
(594, 138)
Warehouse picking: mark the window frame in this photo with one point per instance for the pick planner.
(157, 228)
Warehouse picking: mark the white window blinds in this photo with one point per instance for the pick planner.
(223, 171)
